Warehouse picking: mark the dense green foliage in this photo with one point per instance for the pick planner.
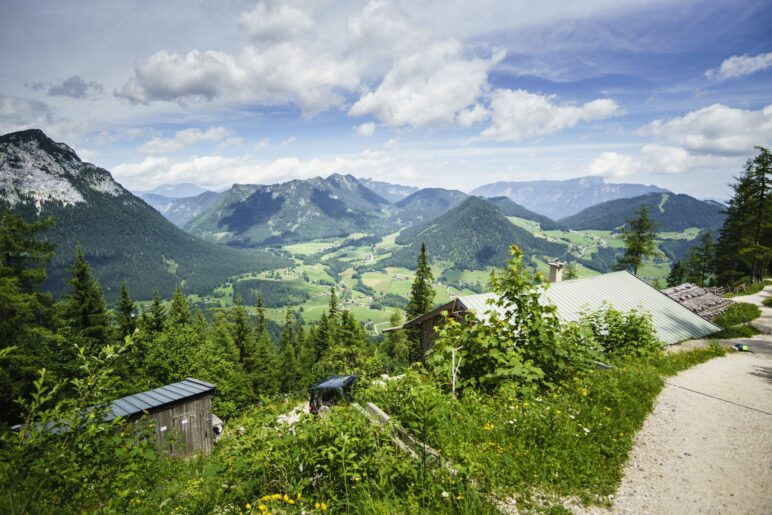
(744, 249)
(638, 235)
(671, 212)
(473, 235)
(274, 293)
(738, 313)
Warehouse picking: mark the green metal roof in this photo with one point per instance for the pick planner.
(622, 290)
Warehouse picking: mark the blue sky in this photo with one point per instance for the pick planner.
(436, 93)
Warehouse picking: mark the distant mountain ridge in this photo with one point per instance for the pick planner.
(182, 190)
(472, 235)
(121, 236)
(391, 192)
(559, 199)
(511, 208)
(180, 211)
(298, 210)
(427, 204)
(671, 211)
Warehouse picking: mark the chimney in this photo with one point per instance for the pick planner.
(556, 271)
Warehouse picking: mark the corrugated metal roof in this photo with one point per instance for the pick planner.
(334, 382)
(153, 399)
(622, 290)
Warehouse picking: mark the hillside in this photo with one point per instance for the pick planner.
(391, 192)
(122, 237)
(473, 235)
(181, 210)
(298, 210)
(427, 204)
(559, 199)
(673, 212)
(510, 208)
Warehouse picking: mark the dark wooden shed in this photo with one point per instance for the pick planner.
(181, 413)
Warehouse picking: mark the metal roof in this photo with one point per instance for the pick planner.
(334, 383)
(622, 290)
(157, 398)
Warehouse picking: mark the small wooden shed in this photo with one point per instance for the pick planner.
(702, 301)
(181, 413)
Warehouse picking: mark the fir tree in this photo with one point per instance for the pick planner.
(241, 331)
(570, 271)
(677, 274)
(179, 313)
(289, 376)
(421, 299)
(126, 312)
(156, 319)
(744, 249)
(701, 261)
(84, 310)
(638, 235)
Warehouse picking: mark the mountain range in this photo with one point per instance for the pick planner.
(473, 235)
(298, 210)
(670, 211)
(391, 192)
(559, 199)
(181, 210)
(122, 237)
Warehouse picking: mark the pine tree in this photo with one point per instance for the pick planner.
(744, 249)
(179, 313)
(700, 261)
(677, 274)
(126, 312)
(156, 319)
(288, 366)
(638, 235)
(421, 299)
(84, 310)
(261, 325)
(242, 334)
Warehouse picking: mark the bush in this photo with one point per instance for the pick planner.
(768, 301)
(738, 331)
(623, 334)
(738, 313)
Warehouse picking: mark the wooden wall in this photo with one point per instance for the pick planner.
(186, 427)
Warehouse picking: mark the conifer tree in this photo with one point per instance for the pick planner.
(744, 249)
(701, 260)
(421, 299)
(156, 319)
(288, 366)
(638, 235)
(179, 313)
(84, 310)
(570, 271)
(261, 325)
(242, 334)
(677, 274)
(126, 312)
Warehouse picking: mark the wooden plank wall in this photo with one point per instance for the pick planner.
(186, 427)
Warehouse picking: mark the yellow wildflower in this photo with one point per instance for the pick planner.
(248, 506)
(262, 507)
(316, 505)
(324, 507)
(488, 426)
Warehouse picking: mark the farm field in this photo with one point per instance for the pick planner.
(373, 291)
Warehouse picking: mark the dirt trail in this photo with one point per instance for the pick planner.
(707, 452)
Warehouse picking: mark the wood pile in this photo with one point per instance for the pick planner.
(701, 301)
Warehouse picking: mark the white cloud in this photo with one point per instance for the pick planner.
(263, 144)
(740, 66)
(473, 115)
(278, 74)
(18, 114)
(73, 87)
(428, 88)
(519, 114)
(716, 129)
(183, 139)
(288, 141)
(268, 22)
(365, 130)
(656, 159)
(382, 30)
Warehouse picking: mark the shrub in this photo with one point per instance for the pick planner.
(738, 331)
(623, 334)
(738, 313)
(768, 301)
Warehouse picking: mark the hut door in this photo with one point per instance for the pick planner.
(184, 425)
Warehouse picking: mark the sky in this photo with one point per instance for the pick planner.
(449, 93)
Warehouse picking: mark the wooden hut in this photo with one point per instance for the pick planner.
(181, 413)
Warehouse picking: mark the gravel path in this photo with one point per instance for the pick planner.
(707, 452)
